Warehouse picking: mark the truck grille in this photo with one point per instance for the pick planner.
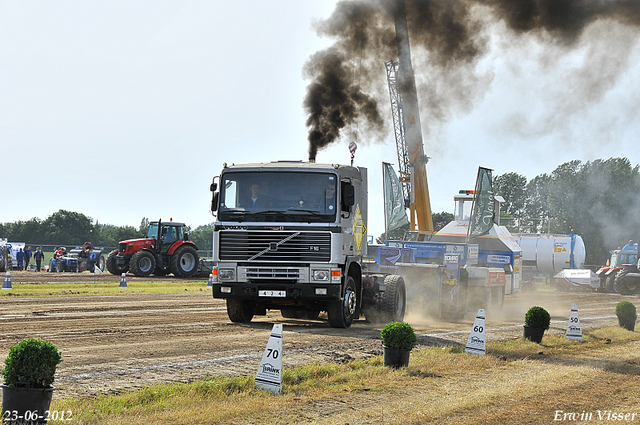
(260, 273)
(283, 246)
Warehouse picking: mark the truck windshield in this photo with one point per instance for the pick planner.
(278, 196)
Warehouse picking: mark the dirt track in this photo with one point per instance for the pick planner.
(115, 343)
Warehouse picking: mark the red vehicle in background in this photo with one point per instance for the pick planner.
(620, 260)
(166, 249)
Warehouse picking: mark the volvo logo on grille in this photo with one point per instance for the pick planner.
(235, 227)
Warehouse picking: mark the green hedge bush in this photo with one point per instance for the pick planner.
(625, 310)
(31, 363)
(399, 335)
(537, 317)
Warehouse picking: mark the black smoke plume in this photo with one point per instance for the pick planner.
(347, 89)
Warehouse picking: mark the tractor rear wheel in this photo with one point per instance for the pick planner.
(625, 285)
(112, 264)
(142, 263)
(184, 262)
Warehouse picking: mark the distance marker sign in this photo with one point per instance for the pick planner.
(574, 330)
(476, 343)
(269, 376)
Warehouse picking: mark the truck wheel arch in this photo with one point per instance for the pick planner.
(355, 271)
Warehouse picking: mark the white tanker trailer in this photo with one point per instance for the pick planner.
(550, 254)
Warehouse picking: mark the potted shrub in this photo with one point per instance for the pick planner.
(398, 338)
(626, 313)
(28, 374)
(536, 321)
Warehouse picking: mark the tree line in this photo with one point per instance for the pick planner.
(68, 228)
(597, 200)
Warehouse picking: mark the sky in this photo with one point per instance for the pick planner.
(127, 109)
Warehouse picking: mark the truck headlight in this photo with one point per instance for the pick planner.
(226, 274)
(320, 275)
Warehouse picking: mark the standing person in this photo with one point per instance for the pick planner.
(20, 258)
(38, 256)
(27, 257)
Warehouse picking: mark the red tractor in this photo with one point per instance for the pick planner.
(620, 260)
(166, 249)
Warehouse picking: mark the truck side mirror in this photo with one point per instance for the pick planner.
(348, 196)
(186, 237)
(214, 201)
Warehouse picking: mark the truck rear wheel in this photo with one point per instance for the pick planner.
(112, 264)
(341, 312)
(184, 262)
(142, 263)
(239, 311)
(394, 300)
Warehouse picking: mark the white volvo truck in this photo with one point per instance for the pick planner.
(291, 236)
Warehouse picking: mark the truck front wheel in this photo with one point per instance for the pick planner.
(342, 312)
(239, 311)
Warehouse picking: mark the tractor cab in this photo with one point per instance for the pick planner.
(166, 233)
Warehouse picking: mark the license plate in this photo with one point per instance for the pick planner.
(281, 294)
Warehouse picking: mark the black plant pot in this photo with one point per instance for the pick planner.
(395, 357)
(628, 324)
(18, 401)
(533, 334)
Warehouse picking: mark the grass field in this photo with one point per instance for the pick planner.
(102, 288)
(516, 382)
